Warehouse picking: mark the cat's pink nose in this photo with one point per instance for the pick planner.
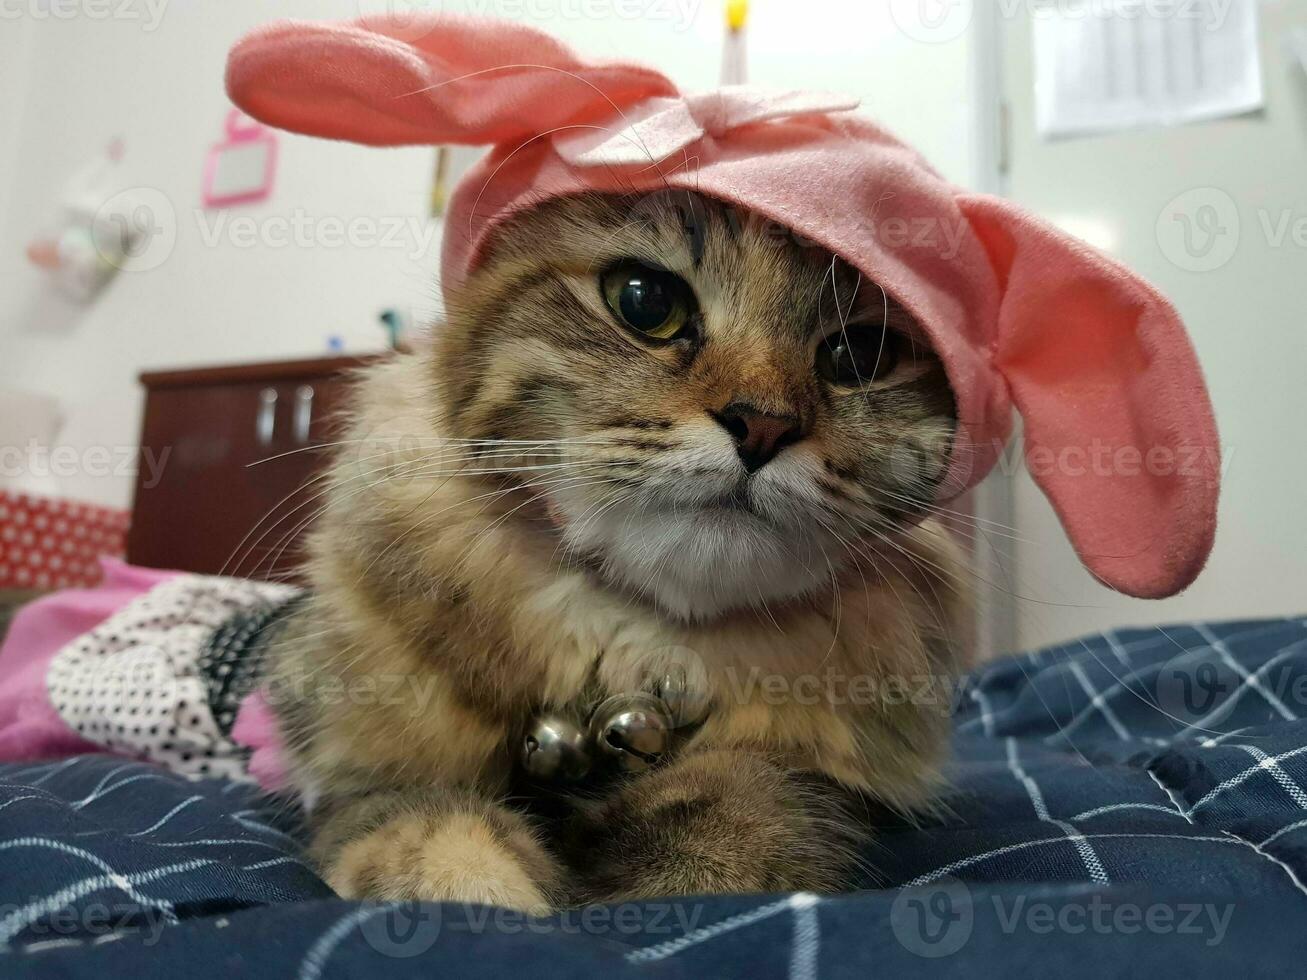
(758, 436)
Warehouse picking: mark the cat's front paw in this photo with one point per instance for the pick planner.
(460, 857)
(713, 822)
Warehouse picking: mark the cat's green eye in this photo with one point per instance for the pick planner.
(652, 302)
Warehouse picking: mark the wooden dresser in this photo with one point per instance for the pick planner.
(228, 460)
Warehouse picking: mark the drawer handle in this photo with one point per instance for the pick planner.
(303, 413)
(266, 424)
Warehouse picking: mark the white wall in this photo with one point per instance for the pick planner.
(1248, 320)
(15, 50)
(68, 86)
(161, 91)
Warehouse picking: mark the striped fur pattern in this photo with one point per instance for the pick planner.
(543, 509)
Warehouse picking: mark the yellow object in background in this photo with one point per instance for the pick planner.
(440, 183)
(737, 12)
(735, 68)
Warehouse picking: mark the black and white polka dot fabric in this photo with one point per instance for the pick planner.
(162, 678)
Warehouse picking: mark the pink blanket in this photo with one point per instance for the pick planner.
(58, 643)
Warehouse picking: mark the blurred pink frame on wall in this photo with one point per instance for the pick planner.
(243, 167)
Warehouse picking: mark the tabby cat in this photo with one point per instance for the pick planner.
(649, 428)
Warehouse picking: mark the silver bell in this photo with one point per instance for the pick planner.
(556, 749)
(632, 730)
(683, 689)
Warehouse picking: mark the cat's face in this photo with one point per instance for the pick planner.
(712, 414)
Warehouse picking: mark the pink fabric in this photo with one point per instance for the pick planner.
(30, 728)
(1022, 315)
(256, 729)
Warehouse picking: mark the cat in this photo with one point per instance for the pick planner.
(648, 423)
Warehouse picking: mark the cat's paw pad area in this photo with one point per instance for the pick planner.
(457, 858)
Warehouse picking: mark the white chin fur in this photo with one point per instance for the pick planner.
(697, 561)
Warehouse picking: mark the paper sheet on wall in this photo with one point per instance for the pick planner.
(1107, 65)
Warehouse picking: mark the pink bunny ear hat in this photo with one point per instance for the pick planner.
(1118, 427)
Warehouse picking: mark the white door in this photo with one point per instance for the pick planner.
(1216, 215)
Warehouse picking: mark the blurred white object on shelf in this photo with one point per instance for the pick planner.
(96, 233)
(29, 424)
(735, 59)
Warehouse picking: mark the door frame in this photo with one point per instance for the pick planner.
(995, 499)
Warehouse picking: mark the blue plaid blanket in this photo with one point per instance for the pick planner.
(1133, 803)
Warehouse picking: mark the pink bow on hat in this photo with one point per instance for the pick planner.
(658, 127)
(1118, 429)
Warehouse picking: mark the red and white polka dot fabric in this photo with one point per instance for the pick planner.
(49, 543)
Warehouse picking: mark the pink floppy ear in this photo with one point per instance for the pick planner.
(1119, 431)
(440, 78)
